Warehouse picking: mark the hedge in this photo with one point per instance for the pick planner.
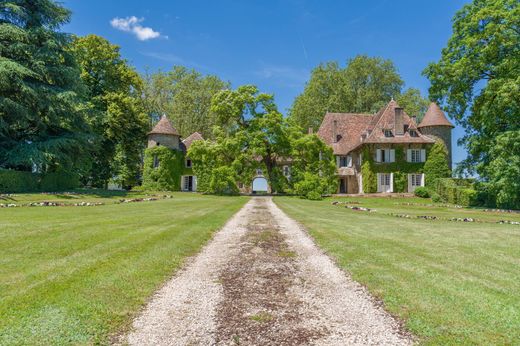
(167, 175)
(456, 191)
(12, 181)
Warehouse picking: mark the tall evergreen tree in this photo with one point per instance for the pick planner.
(42, 119)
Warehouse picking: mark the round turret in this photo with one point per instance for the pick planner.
(164, 134)
(435, 124)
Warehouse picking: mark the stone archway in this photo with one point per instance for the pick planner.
(260, 185)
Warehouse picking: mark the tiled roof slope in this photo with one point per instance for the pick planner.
(435, 117)
(164, 127)
(355, 129)
(195, 136)
(385, 120)
(349, 127)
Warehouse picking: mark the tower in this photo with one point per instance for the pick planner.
(436, 125)
(164, 134)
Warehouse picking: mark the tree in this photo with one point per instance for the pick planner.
(364, 85)
(436, 166)
(185, 96)
(42, 117)
(477, 80)
(413, 103)
(116, 110)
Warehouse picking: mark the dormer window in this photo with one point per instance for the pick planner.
(413, 133)
(388, 133)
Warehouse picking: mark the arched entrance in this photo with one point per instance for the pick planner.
(260, 185)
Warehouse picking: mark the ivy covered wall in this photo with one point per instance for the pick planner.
(170, 167)
(401, 168)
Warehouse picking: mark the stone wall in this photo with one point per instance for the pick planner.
(168, 141)
(442, 133)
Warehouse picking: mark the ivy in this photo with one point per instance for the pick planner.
(167, 175)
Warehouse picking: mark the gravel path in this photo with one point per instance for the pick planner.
(262, 281)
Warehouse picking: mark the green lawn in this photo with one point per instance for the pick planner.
(76, 275)
(454, 283)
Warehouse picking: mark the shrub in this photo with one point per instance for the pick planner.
(400, 181)
(422, 192)
(223, 181)
(436, 198)
(369, 177)
(466, 196)
(436, 166)
(457, 191)
(311, 187)
(12, 181)
(59, 181)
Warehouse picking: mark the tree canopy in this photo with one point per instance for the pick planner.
(42, 115)
(477, 80)
(116, 112)
(185, 96)
(363, 86)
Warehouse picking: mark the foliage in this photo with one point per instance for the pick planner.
(310, 186)
(42, 116)
(223, 181)
(413, 103)
(116, 111)
(456, 191)
(167, 175)
(185, 96)
(369, 177)
(59, 181)
(436, 165)
(502, 183)
(422, 192)
(364, 85)
(478, 81)
(400, 182)
(12, 181)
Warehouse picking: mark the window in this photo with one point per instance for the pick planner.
(258, 171)
(155, 161)
(188, 163)
(286, 171)
(416, 179)
(415, 155)
(388, 133)
(385, 179)
(345, 161)
(158, 143)
(385, 155)
(413, 133)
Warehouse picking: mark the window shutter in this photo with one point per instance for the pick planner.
(422, 179)
(378, 155)
(423, 155)
(409, 155)
(194, 183)
(349, 160)
(409, 183)
(392, 155)
(391, 182)
(337, 161)
(379, 182)
(387, 155)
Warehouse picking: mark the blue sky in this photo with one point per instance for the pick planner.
(271, 43)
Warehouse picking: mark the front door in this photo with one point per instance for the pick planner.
(385, 182)
(342, 185)
(188, 183)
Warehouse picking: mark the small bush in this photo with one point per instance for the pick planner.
(223, 181)
(467, 197)
(400, 182)
(436, 198)
(422, 192)
(311, 187)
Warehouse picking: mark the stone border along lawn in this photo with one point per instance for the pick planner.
(453, 283)
(77, 275)
(424, 217)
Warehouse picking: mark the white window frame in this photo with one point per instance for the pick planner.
(286, 171)
(416, 155)
(385, 180)
(415, 180)
(345, 161)
(385, 155)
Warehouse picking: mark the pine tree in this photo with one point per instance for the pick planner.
(41, 114)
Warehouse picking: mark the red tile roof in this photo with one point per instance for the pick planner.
(164, 127)
(195, 136)
(435, 117)
(355, 129)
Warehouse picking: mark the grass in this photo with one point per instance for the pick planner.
(261, 317)
(76, 275)
(453, 283)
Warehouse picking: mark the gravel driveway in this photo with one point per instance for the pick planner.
(262, 281)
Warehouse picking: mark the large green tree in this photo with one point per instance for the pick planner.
(117, 113)
(364, 85)
(477, 79)
(185, 96)
(42, 118)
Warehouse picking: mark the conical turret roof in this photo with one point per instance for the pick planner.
(435, 117)
(164, 127)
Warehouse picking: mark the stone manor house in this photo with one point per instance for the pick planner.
(391, 139)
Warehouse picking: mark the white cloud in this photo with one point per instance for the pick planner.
(132, 24)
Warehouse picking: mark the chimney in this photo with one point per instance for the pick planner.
(399, 122)
(310, 131)
(335, 131)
